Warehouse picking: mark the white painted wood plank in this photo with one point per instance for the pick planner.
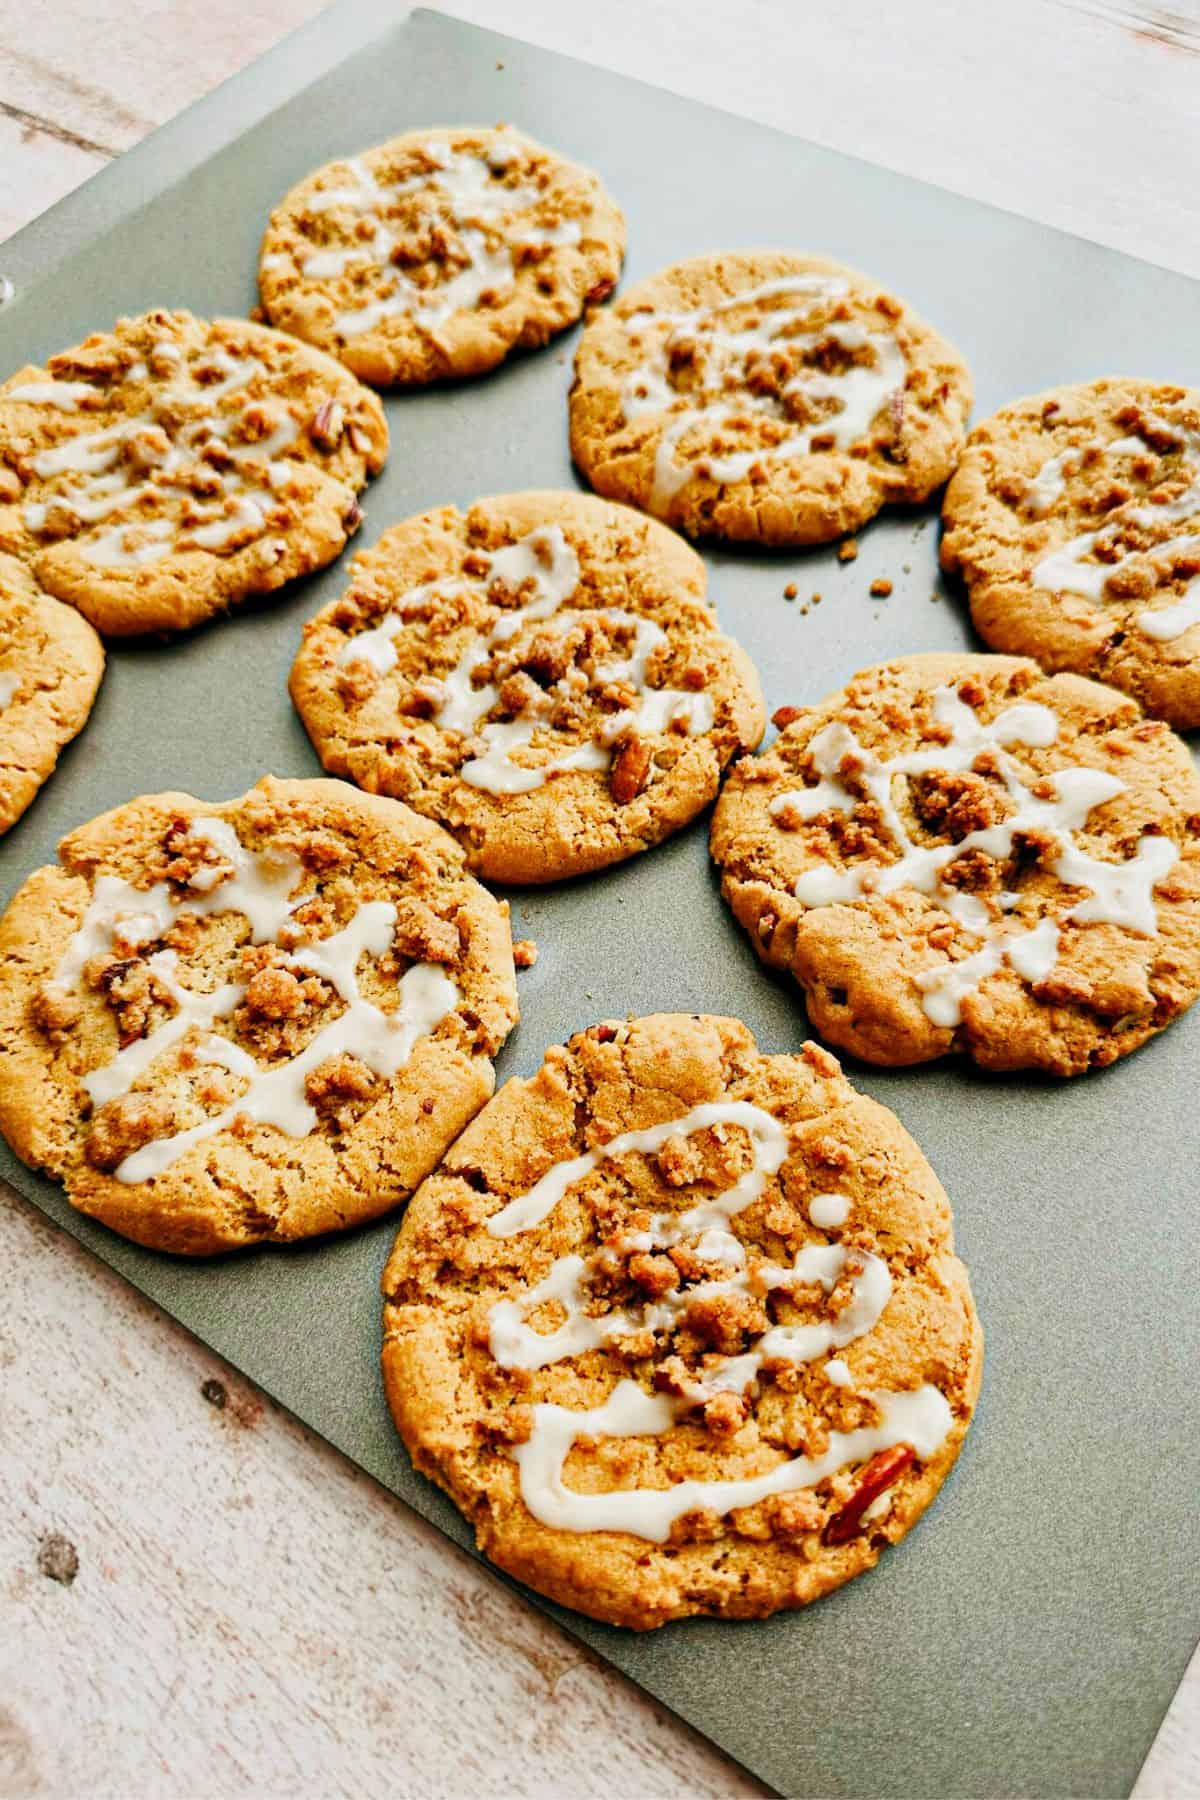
(36, 169)
(250, 1612)
(1083, 121)
(1080, 115)
(113, 70)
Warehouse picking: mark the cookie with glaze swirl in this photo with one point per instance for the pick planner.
(229, 1025)
(542, 674)
(161, 473)
(680, 1328)
(765, 397)
(439, 252)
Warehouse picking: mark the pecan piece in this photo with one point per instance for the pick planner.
(884, 1467)
(784, 716)
(328, 424)
(630, 771)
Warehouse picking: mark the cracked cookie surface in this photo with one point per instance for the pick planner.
(765, 396)
(679, 1326)
(51, 662)
(1074, 519)
(960, 853)
(158, 474)
(437, 253)
(541, 674)
(250, 1022)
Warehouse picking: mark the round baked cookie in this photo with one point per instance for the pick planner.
(159, 473)
(541, 674)
(680, 1328)
(226, 1025)
(1074, 518)
(51, 662)
(959, 853)
(765, 396)
(439, 252)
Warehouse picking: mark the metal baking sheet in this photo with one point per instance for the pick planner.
(1028, 1635)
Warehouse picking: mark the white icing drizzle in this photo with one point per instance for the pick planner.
(466, 190)
(1049, 485)
(921, 1418)
(65, 395)
(194, 1011)
(259, 886)
(383, 1041)
(546, 561)
(767, 1136)
(828, 1211)
(154, 455)
(1120, 893)
(1066, 570)
(719, 363)
(10, 681)
(112, 549)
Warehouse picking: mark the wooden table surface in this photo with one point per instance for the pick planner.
(198, 1597)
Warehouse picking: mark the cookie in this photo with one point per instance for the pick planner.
(159, 473)
(258, 1021)
(959, 853)
(1074, 519)
(542, 675)
(766, 397)
(679, 1327)
(439, 252)
(51, 662)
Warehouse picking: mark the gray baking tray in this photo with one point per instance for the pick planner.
(1026, 1638)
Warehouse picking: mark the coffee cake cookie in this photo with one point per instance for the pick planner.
(960, 853)
(51, 662)
(764, 396)
(439, 252)
(159, 473)
(541, 674)
(226, 1025)
(679, 1326)
(1074, 519)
